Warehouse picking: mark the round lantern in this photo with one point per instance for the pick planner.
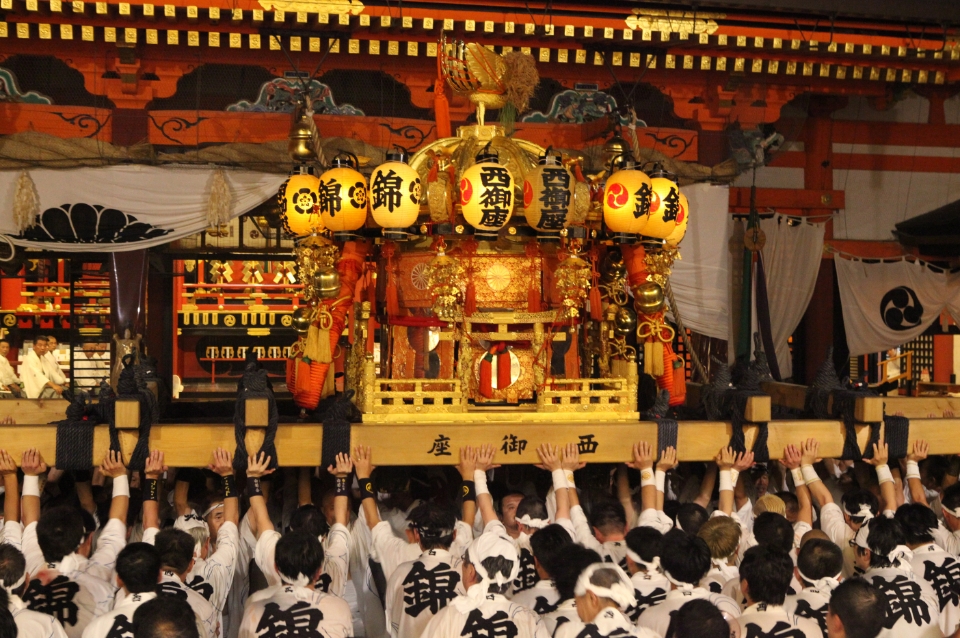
(683, 218)
(486, 194)
(626, 201)
(298, 198)
(664, 205)
(548, 195)
(395, 192)
(342, 196)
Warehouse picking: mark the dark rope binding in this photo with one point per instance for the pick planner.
(75, 434)
(254, 385)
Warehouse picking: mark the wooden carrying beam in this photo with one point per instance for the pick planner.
(868, 408)
(299, 444)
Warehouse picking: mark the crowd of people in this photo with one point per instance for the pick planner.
(802, 547)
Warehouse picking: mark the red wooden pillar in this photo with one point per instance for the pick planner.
(942, 358)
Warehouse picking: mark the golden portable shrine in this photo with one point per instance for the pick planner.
(503, 278)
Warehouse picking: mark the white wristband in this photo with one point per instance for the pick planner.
(913, 470)
(568, 474)
(648, 477)
(809, 474)
(726, 484)
(797, 475)
(480, 482)
(661, 478)
(31, 486)
(121, 486)
(883, 474)
(734, 475)
(559, 480)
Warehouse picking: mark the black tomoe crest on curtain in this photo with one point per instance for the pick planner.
(901, 309)
(90, 224)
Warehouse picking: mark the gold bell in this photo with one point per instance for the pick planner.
(613, 149)
(625, 321)
(648, 297)
(301, 320)
(326, 283)
(300, 145)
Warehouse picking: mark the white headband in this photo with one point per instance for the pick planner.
(488, 545)
(900, 556)
(620, 592)
(826, 584)
(192, 521)
(536, 523)
(215, 506)
(651, 566)
(865, 512)
(16, 585)
(676, 583)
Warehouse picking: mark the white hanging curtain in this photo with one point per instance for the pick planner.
(701, 277)
(791, 259)
(886, 304)
(131, 207)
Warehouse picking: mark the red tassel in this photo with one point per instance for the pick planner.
(393, 301)
(486, 377)
(503, 367)
(534, 303)
(596, 304)
(534, 300)
(470, 303)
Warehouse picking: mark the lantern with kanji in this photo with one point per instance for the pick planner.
(342, 196)
(683, 218)
(486, 194)
(298, 198)
(626, 201)
(395, 192)
(664, 204)
(548, 195)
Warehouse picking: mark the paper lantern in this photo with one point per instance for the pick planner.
(626, 202)
(486, 194)
(342, 196)
(395, 192)
(548, 194)
(298, 198)
(664, 205)
(683, 218)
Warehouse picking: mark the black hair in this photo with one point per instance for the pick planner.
(691, 516)
(534, 506)
(138, 566)
(790, 502)
(861, 607)
(685, 557)
(935, 468)
(884, 535)
(775, 530)
(175, 547)
(576, 558)
(12, 565)
(434, 523)
(8, 627)
(498, 565)
(820, 558)
(310, 519)
(645, 542)
(951, 497)
(768, 571)
(392, 479)
(549, 546)
(39, 338)
(917, 521)
(852, 502)
(59, 532)
(609, 517)
(166, 616)
(299, 553)
(698, 618)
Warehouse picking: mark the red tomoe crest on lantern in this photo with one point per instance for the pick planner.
(466, 191)
(527, 194)
(617, 196)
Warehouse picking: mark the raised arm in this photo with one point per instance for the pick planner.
(571, 463)
(11, 504)
(725, 460)
(222, 466)
(368, 499)
(888, 495)
(809, 454)
(920, 450)
(341, 500)
(33, 466)
(114, 468)
(792, 460)
(153, 473)
(484, 501)
(668, 461)
(706, 486)
(257, 468)
(643, 463)
(550, 460)
(467, 468)
(304, 487)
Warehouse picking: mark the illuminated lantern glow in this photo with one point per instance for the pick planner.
(683, 218)
(342, 197)
(395, 194)
(486, 195)
(548, 195)
(664, 206)
(298, 198)
(626, 202)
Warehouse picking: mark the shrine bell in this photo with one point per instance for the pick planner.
(395, 193)
(548, 195)
(486, 194)
(297, 199)
(664, 204)
(342, 196)
(626, 201)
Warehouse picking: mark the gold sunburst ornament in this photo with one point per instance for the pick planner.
(573, 276)
(446, 280)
